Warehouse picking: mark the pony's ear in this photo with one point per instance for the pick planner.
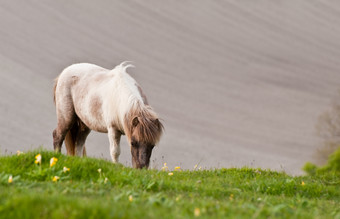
(135, 121)
(156, 121)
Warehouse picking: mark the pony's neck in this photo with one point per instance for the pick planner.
(127, 84)
(127, 94)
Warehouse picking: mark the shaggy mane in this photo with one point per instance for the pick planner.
(147, 129)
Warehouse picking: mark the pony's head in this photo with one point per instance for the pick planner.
(144, 132)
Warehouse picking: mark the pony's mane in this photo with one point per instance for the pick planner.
(123, 66)
(142, 123)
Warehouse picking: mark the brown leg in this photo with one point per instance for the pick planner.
(57, 141)
(82, 134)
(70, 139)
(58, 138)
(84, 151)
(64, 125)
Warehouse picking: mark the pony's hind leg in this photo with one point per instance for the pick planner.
(70, 139)
(66, 117)
(82, 134)
(58, 138)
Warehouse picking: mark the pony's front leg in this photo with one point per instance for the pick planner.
(114, 138)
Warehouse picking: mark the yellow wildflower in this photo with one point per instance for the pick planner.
(53, 161)
(195, 167)
(99, 170)
(19, 153)
(164, 168)
(10, 179)
(130, 198)
(197, 212)
(177, 168)
(231, 197)
(303, 183)
(171, 173)
(38, 159)
(65, 169)
(55, 178)
(105, 180)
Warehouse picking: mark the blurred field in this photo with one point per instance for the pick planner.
(236, 82)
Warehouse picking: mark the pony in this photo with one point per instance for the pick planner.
(88, 97)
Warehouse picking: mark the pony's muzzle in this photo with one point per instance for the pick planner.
(139, 165)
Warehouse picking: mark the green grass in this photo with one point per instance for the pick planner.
(83, 192)
(332, 167)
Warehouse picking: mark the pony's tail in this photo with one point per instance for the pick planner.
(55, 87)
(70, 140)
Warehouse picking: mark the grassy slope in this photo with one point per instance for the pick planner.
(82, 192)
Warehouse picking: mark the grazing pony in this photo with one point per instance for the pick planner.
(89, 97)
